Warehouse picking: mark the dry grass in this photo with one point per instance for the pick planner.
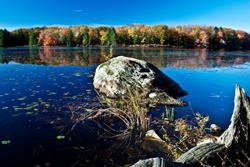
(127, 121)
(180, 135)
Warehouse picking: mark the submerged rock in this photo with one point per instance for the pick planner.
(152, 143)
(121, 76)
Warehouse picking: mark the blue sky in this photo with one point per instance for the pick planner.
(16, 14)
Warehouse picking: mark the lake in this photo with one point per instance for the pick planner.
(44, 90)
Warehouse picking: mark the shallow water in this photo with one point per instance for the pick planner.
(43, 90)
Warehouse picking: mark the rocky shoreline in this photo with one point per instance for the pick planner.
(117, 77)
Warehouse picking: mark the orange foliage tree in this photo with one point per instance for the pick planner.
(48, 39)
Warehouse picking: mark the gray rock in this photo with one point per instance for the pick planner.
(121, 75)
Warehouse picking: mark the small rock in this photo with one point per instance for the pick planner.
(152, 95)
(152, 143)
(151, 133)
(216, 130)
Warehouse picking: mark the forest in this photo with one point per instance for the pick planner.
(191, 36)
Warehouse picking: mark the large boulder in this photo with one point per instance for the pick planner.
(120, 76)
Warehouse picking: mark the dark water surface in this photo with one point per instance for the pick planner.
(43, 90)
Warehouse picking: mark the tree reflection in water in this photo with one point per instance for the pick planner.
(161, 57)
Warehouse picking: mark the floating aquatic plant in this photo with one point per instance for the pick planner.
(22, 98)
(52, 93)
(60, 137)
(29, 113)
(77, 74)
(5, 142)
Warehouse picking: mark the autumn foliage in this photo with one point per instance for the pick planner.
(47, 39)
(136, 34)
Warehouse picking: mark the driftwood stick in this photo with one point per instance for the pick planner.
(156, 162)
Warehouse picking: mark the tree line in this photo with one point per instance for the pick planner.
(178, 36)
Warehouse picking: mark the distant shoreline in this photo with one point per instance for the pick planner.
(211, 37)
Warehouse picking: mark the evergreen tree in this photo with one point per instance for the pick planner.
(21, 38)
(113, 36)
(33, 38)
(85, 38)
(136, 40)
(90, 41)
(232, 40)
(4, 38)
(78, 40)
(69, 38)
(107, 37)
(110, 37)
(2, 42)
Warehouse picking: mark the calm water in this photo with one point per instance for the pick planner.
(43, 90)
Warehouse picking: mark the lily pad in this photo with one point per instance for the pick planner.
(77, 74)
(65, 94)
(52, 93)
(60, 137)
(22, 98)
(16, 108)
(29, 113)
(4, 142)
